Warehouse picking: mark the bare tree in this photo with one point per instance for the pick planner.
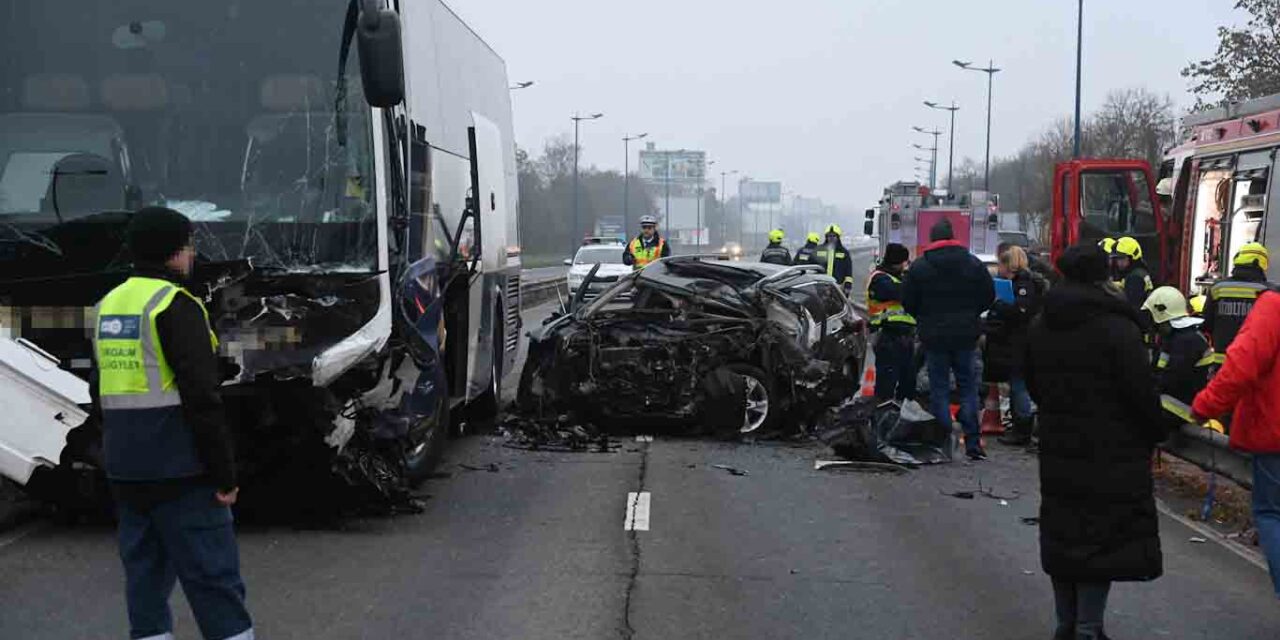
(1247, 63)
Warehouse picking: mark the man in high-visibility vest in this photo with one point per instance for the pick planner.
(835, 258)
(167, 452)
(646, 247)
(1230, 300)
(804, 255)
(895, 329)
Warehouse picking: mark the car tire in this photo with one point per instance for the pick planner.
(757, 417)
(423, 454)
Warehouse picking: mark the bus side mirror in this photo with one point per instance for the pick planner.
(381, 48)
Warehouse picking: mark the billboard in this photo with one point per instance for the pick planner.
(683, 170)
(752, 191)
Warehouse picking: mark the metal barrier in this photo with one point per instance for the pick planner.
(1208, 450)
(536, 292)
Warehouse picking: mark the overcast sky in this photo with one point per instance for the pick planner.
(822, 94)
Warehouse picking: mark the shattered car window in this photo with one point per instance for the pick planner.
(143, 102)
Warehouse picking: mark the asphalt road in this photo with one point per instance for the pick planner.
(538, 549)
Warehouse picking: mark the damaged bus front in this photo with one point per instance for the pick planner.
(353, 196)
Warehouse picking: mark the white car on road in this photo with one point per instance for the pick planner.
(608, 256)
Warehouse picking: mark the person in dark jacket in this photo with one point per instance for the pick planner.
(1182, 364)
(804, 255)
(1008, 323)
(895, 329)
(775, 253)
(946, 290)
(835, 258)
(167, 452)
(1100, 418)
(1230, 300)
(1131, 272)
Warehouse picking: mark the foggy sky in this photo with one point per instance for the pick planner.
(822, 94)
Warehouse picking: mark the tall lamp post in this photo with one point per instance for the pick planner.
(577, 120)
(702, 181)
(1075, 144)
(991, 72)
(951, 146)
(626, 177)
(724, 199)
(932, 163)
(933, 172)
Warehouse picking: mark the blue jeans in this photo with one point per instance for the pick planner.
(192, 539)
(895, 365)
(1266, 510)
(941, 365)
(1019, 397)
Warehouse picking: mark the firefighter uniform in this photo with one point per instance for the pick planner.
(835, 258)
(804, 255)
(1230, 300)
(169, 464)
(894, 328)
(1185, 356)
(775, 253)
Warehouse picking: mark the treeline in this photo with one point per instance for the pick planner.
(1132, 123)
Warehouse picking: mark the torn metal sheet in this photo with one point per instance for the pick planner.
(44, 403)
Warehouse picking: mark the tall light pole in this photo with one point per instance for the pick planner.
(991, 72)
(1075, 145)
(933, 164)
(951, 146)
(577, 119)
(626, 177)
(724, 198)
(702, 181)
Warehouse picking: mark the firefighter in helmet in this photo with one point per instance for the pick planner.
(835, 258)
(804, 255)
(1131, 273)
(646, 247)
(1230, 300)
(1185, 356)
(775, 253)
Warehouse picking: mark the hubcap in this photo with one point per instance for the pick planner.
(757, 408)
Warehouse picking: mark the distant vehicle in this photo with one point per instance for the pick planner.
(909, 210)
(691, 326)
(733, 250)
(608, 256)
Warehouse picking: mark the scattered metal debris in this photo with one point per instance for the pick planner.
(492, 467)
(1198, 540)
(564, 434)
(732, 470)
(905, 434)
(856, 466)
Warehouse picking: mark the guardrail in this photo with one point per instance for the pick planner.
(536, 292)
(1208, 450)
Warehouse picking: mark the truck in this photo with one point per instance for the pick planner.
(1211, 195)
(353, 190)
(908, 210)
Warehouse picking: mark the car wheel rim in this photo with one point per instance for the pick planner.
(757, 408)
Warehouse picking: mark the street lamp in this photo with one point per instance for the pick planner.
(1075, 145)
(724, 198)
(577, 119)
(933, 164)
(991, 72)
(521, 85)
(626, 176)
(702, 181)
(951, 146)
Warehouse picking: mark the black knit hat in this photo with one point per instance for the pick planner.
(1084, 263)
(942, 231)
(157, 233)
(895, 253)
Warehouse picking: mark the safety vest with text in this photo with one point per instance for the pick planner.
(886, 311)
(642, 256)
(1232, 300)
(145, 437)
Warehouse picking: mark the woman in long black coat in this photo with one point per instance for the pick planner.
(1089, 371)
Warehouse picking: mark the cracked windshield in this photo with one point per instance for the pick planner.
(582, 320)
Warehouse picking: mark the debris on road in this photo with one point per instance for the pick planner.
(732, 470)
(906, 434)
(562, 434)
(1199, 540)
(856, 466)
(963, 495)
(1031, 521)
(492, 467)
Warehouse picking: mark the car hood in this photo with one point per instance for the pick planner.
(606, 270)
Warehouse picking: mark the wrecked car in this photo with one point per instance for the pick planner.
(357, 242)
(709, 345)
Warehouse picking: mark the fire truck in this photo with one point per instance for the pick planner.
(1212, 195)
(908, 210)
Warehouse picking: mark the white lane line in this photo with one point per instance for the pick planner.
(637, 512)
(1208, 533)
(21, 532)
(644, 438)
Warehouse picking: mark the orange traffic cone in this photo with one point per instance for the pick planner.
(869, 376)
(991, 422)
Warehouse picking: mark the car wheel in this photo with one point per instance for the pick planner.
(760, 408)
(426, 443)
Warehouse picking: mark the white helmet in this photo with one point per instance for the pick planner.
(647, 219)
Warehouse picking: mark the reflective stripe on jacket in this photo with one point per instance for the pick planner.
(882, 311)
(1230, 302)
(144, 434)
(642, 255)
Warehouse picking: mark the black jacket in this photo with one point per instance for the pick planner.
(804, 255)
(1007, 325)
(841, 262)
(184, 340)
(946, 290)
(1177, 373)
(1100, 419)
(1223, 335)
(775, 253)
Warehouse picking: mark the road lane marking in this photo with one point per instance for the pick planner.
(637, 512)
(644, 438)
(15, 535)
(1210, 534)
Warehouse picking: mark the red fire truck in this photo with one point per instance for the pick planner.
(908, 210)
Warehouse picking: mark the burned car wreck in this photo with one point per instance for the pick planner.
(699, 345)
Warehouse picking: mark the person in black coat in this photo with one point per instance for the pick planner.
(1006, 327)
(947, 290)
(1088, 370)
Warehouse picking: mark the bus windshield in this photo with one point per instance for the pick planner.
(230, 111)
